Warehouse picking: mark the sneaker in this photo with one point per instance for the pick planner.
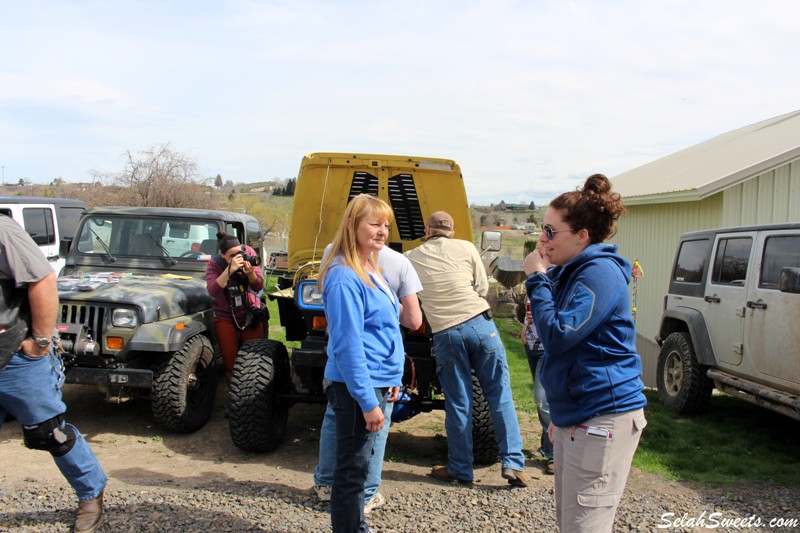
(441, 473)
(375, 501)
(514, 477)
(323, 492)
(550, 470)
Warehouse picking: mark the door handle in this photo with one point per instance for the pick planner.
(712, 299)
(756, 305)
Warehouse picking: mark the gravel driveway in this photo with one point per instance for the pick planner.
(201, 482)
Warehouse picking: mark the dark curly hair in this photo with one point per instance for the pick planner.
(594, 207)
(226, 242)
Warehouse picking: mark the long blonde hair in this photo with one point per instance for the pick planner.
(345, 244)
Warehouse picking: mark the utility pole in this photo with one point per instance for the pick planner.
(4, 175)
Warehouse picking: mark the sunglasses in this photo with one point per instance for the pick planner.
(550, 233)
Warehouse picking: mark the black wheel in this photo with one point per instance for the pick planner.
(256, 416)
(682, 382)
(484, 444)
(184, 387)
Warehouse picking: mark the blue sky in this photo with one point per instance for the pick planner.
(529, 97)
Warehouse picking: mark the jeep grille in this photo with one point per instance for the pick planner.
(92, 316)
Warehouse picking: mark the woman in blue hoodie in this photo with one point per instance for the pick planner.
(365, 350)
(591, 371)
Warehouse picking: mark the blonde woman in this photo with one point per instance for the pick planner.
(365, 350)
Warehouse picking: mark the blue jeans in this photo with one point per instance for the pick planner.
(30, 389)
(323, 472)
(475, 345)
(354, 450)
(535, 358)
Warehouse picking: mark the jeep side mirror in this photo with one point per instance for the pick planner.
(790, 280)
(491, 241)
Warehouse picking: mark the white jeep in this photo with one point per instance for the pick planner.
(731, 319)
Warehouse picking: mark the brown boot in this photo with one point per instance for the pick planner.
(90, 515)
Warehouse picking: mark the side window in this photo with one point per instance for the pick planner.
(691, 263)
(779, 252)
(730, 263)
(253, 234)
(69, 219)
(39, 224)
(236, 229)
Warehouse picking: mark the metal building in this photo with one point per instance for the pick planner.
(747, 176)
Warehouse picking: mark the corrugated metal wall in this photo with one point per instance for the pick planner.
(771, 197)
(649, 233)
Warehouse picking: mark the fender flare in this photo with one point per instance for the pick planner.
(691, 320)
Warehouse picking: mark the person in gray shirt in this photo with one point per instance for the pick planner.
(31, 373)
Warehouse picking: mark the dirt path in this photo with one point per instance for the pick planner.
(136, 453)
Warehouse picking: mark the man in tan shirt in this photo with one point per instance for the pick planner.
(465, 339)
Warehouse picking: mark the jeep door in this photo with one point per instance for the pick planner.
(772, 336)
(726, 294)
(39, 220)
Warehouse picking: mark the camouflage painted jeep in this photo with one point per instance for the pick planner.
(135, 315)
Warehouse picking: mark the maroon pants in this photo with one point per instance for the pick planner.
(230, 339)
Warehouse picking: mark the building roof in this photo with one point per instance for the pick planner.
(714, 165)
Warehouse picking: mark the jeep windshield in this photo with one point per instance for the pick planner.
(168, 238)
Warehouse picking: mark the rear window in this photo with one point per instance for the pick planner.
(690, 265)
(39, 224)
(730, 263)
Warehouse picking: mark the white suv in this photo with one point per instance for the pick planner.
(731, 319)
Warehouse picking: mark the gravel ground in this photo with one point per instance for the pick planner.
(202, 483)
(30, 506)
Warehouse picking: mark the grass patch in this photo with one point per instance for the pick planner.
(733, 441)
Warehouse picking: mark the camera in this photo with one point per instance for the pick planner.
(254, 260)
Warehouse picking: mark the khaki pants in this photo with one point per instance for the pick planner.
(591, 470)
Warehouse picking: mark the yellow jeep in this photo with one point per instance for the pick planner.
(261, 387)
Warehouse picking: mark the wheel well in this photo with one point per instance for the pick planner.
(684, 319)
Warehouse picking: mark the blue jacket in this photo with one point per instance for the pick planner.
(583, 314)
(365, 346)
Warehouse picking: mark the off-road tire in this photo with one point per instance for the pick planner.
(184, 387)
(682, 382)
(256, 415)
(484, 444)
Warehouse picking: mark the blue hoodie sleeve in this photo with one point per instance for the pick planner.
(344, 309)
(587, 303)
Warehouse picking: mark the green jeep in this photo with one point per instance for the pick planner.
(135, 315)
(262, 389)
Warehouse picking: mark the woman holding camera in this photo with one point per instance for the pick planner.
(234, 284)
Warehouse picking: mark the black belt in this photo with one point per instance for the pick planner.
(488, 315)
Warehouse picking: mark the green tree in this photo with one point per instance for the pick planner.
(218, 181)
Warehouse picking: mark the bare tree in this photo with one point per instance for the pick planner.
(159, 177)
